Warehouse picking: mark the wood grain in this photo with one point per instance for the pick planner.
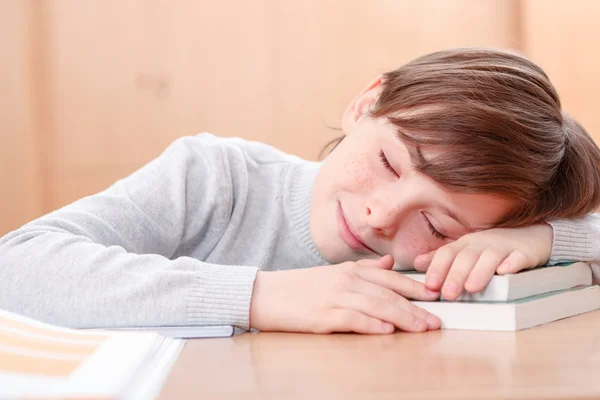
(560, 360)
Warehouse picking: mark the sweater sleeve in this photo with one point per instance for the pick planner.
(110, 260)
(577, 240)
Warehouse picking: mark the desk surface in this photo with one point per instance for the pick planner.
(555, 361)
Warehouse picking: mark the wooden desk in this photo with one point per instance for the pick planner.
(560, 360)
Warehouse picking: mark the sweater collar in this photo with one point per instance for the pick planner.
(300, 184)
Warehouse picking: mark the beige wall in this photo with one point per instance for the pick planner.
(112, 83)
(563, 37)
(19, 161)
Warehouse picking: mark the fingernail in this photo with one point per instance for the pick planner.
(420, 324)
(432, 321)
(432, 292)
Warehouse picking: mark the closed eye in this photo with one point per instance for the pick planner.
(386, 163)
(432, 229)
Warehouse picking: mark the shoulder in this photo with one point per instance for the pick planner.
(228, 159)
(208, 144)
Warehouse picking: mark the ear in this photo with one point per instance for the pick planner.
(360, 106)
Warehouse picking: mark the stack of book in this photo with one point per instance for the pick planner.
(518, 301)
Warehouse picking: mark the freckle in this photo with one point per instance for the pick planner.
(356, 168)
(419, 246)
(414, 244)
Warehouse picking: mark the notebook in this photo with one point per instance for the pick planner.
(517, 314)
(526, 283)
(189, 332)
(38, 360)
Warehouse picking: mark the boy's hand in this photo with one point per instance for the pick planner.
(363, 297)
(470, 262)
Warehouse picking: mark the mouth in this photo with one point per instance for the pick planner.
(350, 238)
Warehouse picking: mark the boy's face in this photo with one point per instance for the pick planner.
(362, 209)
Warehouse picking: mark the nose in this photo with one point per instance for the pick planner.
(383, 216)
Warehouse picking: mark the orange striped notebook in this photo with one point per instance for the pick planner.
(38, 360)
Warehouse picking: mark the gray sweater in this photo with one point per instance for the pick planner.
(179, 241)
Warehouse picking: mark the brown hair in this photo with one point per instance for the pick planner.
(498, 121)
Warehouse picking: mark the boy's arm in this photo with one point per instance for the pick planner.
(577, 240)
(111, 259)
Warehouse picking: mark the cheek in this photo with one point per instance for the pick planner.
(357, 171)
(411, 241)
(416, 244)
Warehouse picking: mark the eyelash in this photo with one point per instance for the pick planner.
(434, 231)
(386, 163)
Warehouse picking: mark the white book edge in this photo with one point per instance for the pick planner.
(548, 279)
(526, 283)
(149, 380)
(514, 316)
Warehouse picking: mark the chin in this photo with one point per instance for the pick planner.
(335, 254)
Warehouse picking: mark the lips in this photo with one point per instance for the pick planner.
(350, 238)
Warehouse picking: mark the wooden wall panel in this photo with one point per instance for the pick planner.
(563, 37)
(215, 59)
(125, 79)
(99, 59)
(19, 179)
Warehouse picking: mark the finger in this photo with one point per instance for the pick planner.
(440, 264)
(397, 282)
(343, 320)
(384, 262)
(484, 270)
(515, 262)
(368, 262)
(370, 289)
(459, 272)
(404, 317)
(422, 261)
